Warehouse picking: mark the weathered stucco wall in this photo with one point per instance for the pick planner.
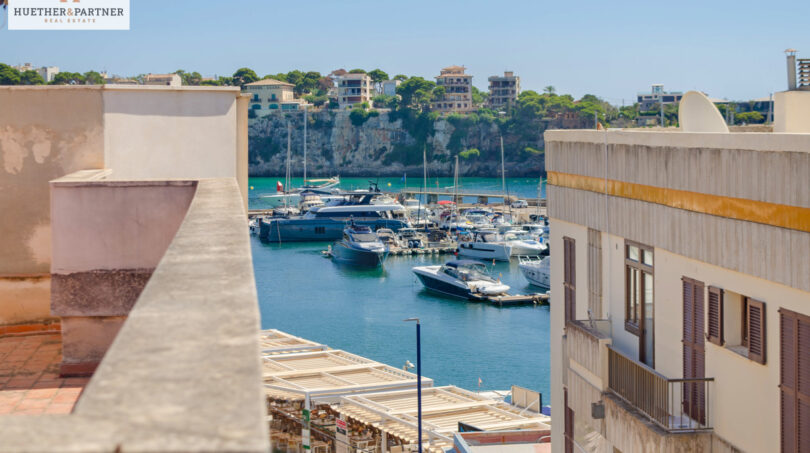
(47, 132)
(44, 134)
(108, 237)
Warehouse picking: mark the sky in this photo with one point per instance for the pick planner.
(727, 49)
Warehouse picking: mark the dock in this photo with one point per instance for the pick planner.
(481, 197)
(519, 299)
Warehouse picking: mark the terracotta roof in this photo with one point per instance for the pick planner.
(454, 68)
(270, 82)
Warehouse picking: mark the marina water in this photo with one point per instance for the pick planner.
(361, 310)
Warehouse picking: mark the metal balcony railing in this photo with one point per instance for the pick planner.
(676, 405)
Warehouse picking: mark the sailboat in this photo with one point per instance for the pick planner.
(286, 195)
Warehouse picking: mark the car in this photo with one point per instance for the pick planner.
(520, 204)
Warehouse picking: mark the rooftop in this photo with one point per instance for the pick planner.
(272, 82)
(29, 376)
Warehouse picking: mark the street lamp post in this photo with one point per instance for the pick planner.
(418, 378)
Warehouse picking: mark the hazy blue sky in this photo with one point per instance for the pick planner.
(729, 49)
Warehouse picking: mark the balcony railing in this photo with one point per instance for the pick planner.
(677, 405)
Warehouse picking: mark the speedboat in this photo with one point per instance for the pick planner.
(467, 279)
(484, 245)
(411, 238)
(523, 244)
(536, 270)
(360, 246)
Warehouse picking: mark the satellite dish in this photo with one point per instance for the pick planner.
(696, 113)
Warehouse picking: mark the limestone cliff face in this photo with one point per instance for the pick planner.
(380, 147)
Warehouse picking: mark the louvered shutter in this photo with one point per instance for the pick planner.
(756, 331)
(787, 381)
(714, 323)
(803, 382)
(569, 277)
(688, 392)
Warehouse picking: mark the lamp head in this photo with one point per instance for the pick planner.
(411, 319)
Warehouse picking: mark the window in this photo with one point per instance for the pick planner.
(737, 322)
(320, 230)
(595, 273)
(638, 285)
(569, 278)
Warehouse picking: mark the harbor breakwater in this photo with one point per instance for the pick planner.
(391, 143)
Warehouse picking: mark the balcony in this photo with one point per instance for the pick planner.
(676, 405)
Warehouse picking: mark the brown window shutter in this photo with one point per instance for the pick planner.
(756, 331)
(787, 380)
(715, 315)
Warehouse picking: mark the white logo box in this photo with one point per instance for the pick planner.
(68, 15)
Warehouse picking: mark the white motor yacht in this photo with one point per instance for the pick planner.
(536, 270)
(484, 245)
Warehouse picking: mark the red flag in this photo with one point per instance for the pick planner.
(279, 186)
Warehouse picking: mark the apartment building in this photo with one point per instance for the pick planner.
(270, 95)
(46, 72)
(353, 88)
(389, 87)
(172, 80)
(681, 266)
(458, 90)
(503, 90)
(652, 99)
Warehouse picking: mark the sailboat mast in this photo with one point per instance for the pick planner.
(455, 183)
(503, 172)
(305, 144)
(287, 176)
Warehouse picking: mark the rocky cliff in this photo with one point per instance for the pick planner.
(388, 145)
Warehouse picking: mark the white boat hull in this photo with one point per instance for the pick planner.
(485, 250)
(537, 273)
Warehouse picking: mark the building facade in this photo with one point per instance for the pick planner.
(353, 89)
(458, 90)
(683, 277)
(46, 72)
(172, 80)
(389, 87)
(652, 99)
(503, 90)
(270, 95)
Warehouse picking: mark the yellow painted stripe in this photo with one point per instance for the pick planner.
(780, 215)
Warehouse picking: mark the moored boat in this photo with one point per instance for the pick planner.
(536, 270)
(466, 279)
(360, 247)
(484, 245)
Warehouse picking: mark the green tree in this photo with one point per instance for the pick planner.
(479, 97)
(400, 77)
(226, 81)
(243, 76)
(383, 101)
(93, 78)
(31, 78)
(357, 71)
(438, 93)
(549, 89)
(749, 118)
(325, 84)
(316, 100)
(211, 83)
(67, 78)
(416, 92)
(9, 75)
(378, 76)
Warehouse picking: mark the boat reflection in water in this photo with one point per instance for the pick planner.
(360, 247)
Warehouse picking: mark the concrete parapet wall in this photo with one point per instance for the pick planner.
(184, 371)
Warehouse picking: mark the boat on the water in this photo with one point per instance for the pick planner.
(536, 270)
(523, 244)
(326, 223)
(360, 247)
(325, 188)
(467, 279)
(484, 245)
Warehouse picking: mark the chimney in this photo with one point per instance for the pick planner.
(791, 68)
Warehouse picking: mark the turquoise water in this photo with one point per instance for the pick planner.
(362, 311)
(519, 187)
